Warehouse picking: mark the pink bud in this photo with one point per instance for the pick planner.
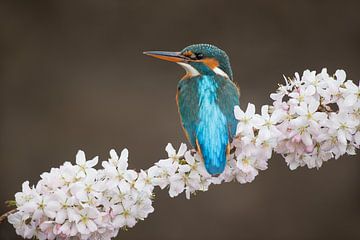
(285, 106)
(309, 149)
(296, 138)
(111, 214)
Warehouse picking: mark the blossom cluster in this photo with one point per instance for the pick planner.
(313, 118)
(78, 201)
(319, 118)
(256, 137)
(183, 170)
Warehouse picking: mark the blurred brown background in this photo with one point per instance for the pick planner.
(72, 76)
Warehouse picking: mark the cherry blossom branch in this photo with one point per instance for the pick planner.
(314, 118)
(4, 216)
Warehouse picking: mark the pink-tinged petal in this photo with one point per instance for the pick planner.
(130, 175)
(73, 215)
(264, 134)
(302, 110)
(81, 227)
(293, 165)
(25, 187)
(246, 168)
(91, 226)
(187, 193)
(139, 184)
(182, 149)
(309, 149)
(294, 95)
(276, 96)
(82, 196)
(92, 213)
(250, 110)
(113, 154)
(306, 139)
(277, 116)
(153, 171)
(80, 157)
(238, 113)
(314, 106)
(119, 221)
(320, 116)
(357, 138)
(124, 186)
(28, 207)
(130, 221)
(117, 209)
(161, 182)
(176, 188)
(298, 122)
(310, 90)
(122, 165)
(65, 228)
(51, 209)
(73, 231)
(124, 155)
(351, 86)
(60, 196)
(340, 75)
(189, 158)
(184, 168)
(342, 137)
(324, 73)
(257, 121)
(60, 217)
(239, 128)
(46, 225)
(350, 100)
(93, 162)
(265, 111)
(76, 187)
(170, 150)
(296, 139)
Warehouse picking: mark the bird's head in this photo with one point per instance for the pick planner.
(198, 59)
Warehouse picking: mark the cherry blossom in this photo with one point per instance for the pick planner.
(313, 118)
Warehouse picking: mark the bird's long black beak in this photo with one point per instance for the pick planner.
(167, 56)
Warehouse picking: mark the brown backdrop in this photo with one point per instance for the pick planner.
(73, 76)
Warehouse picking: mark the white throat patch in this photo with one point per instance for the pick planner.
(190, 70)
(220, 72)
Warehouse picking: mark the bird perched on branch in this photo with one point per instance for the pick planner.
(206, 97)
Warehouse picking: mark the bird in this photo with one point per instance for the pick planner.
(206, 97)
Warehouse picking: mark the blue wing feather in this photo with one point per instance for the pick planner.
(227, 98)
(188, 105)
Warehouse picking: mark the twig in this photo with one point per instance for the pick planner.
(5, 215)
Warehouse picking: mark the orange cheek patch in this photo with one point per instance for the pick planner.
(210, 62)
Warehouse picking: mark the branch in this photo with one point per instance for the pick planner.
(5, 215)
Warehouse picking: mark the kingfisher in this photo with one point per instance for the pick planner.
(206, 97)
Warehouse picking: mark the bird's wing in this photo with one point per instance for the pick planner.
(188, 106)
(227, 98)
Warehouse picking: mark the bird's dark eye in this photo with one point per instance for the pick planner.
(193, 56)
(199, 56)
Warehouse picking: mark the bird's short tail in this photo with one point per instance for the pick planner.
(214, 156)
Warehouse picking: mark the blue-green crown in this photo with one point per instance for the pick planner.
(211, 51)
